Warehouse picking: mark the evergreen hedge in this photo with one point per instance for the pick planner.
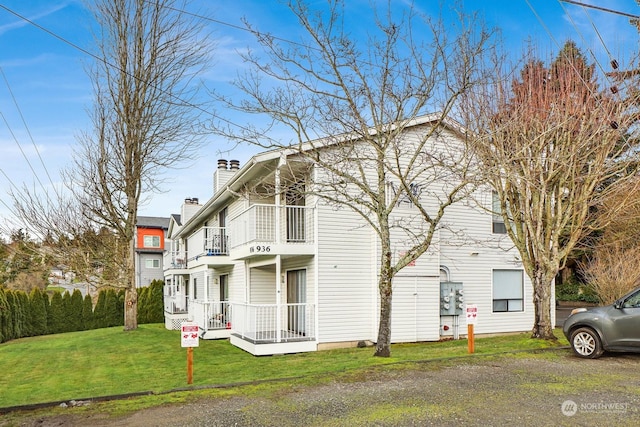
(26, 315)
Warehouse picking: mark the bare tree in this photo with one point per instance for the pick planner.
(610, 265)
(145, 120)
(361, 98)
(552, 146)
(144, 117)
(612, 271)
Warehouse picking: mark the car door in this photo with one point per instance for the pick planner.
(624, 328)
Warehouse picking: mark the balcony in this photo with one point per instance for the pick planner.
(272, 230)
(175, 260)
(265, 329)
(213, 317)
(209, 246)
(175, 310)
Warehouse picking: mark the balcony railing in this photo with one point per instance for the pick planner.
(215, 241)
(211, 314)
(175, 259)
(273, 224)
(270, 323)
(175, 304)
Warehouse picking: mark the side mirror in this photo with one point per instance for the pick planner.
(617, 304)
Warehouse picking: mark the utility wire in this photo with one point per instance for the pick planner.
(15, 103)
(604, 9)
(96, 57)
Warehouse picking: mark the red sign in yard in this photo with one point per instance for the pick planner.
(189, 334)
(472, 314)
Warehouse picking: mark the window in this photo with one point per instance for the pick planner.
(151, 241)
(498, 221)
(508, 290)
(195, 288)
(152, 263)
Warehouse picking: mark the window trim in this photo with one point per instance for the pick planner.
(155, 263)
(518, 302)
(497, 221)
(153, 238)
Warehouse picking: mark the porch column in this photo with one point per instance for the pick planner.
(278, 298)
(277, 204)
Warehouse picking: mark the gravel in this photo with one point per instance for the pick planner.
(542, 389)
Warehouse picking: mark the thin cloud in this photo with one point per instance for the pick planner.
(20, 23)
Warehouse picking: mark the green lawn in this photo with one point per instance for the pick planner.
(110, 361)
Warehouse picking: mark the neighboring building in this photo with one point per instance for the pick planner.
(149, 249)
(290, 273)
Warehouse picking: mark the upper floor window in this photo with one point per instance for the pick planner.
(497, 220)
(151, 241)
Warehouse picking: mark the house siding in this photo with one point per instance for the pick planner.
(346, 287)
(342, 275)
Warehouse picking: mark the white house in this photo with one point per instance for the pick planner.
(279, 270)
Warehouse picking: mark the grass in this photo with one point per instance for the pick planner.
(102, 362)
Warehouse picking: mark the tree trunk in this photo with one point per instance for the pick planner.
(131, 293)
(383, 344)
(131, 308)
(542, 327)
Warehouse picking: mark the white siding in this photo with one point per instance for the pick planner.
(472, 262)
(262, 285)
(347, 284)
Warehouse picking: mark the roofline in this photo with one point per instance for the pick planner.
(261, 158)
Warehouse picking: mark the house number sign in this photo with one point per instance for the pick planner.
(258, 249)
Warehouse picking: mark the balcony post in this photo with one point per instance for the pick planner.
(278, 296)
(277, 205)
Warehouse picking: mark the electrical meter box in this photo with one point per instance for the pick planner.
(451, 298)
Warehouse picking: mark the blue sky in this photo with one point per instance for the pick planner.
(45, 92)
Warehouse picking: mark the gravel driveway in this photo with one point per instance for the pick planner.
(551, 388)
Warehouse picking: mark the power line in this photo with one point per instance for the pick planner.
(98, 58)
(604, 9)
(15, 103)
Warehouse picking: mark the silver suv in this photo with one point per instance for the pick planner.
(614, 327)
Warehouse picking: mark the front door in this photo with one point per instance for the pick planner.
(296, 299)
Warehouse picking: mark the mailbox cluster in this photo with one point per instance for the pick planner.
(451, 299)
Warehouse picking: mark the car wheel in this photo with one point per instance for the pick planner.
(585, 342)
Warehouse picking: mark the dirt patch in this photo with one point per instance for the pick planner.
(553, 388)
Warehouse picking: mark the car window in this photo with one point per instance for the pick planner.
(632, 301)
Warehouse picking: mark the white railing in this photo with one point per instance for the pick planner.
(218, 315)
(215, 241)
(270, 323)
(175, 259)
(259, 224)
(175, 304)
(211, 314)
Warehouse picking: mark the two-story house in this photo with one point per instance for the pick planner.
(277, 269)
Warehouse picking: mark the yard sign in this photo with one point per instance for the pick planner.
(189, 334)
